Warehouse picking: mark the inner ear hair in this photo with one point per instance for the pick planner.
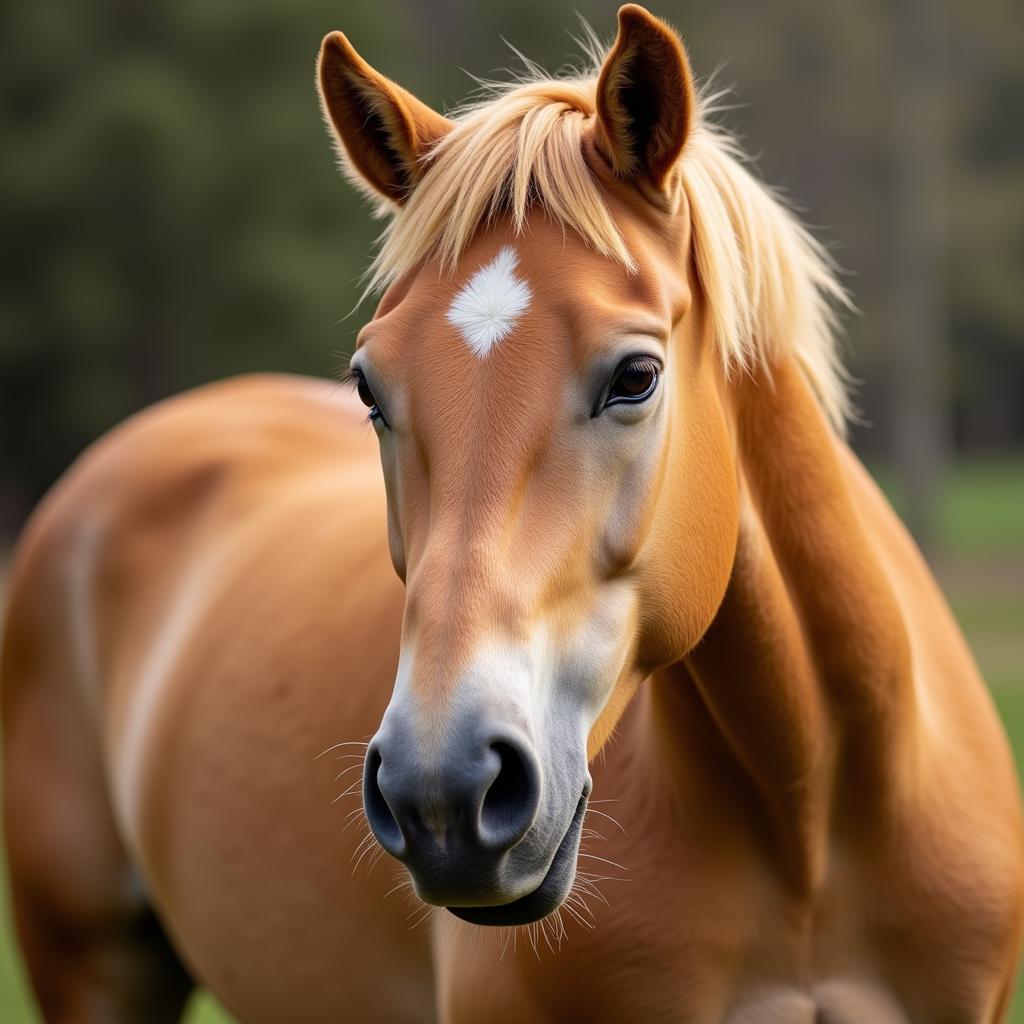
(388, 136)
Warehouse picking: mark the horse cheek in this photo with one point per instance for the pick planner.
(692, 544)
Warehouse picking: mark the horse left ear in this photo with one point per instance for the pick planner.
(384, 131)
(645, 99)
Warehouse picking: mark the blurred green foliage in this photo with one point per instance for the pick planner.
(172, 213)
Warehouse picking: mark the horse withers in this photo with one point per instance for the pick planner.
(669, 713)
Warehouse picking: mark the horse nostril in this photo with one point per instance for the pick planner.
(382, 821)
(510, 803)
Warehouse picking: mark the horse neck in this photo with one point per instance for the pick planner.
(805, 671)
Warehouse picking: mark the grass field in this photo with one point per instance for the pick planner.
(980, 562)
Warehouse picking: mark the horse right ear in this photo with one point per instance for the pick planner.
(382, 131)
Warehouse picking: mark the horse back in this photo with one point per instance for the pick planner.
(207, 600)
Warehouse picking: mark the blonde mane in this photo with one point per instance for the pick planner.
(771, 287)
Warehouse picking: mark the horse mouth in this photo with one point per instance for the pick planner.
(547, 897)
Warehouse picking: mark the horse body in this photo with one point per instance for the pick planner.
(145, 549)
(681, 593)
(744, 891)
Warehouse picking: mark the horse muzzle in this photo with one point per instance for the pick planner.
(470, 824)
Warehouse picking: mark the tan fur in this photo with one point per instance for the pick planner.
(816, 810)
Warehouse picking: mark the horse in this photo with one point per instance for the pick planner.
(629, 670)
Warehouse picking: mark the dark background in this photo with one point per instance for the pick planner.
(171, 213)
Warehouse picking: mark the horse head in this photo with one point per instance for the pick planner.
(548, 377)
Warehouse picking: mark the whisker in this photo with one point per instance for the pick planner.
(426, 913)
(602, 878)
(353, 816)
(575, 915)
(532, 935)
(337, 746)
(402, 883)
(350, 768)
(366, 841)
(603, 860)
(369, 847)
(590, 890)
(547, 937)
(504, 947)
(581, 904)
(375, 859)
(594, 810)
(341, 796)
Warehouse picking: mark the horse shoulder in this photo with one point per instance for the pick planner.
(959, 848)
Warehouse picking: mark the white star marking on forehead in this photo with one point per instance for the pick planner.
(487, 308)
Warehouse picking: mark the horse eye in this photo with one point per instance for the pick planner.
(364, 392)
(635, 380)
(366, 396)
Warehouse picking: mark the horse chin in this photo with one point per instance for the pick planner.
(547, 897)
